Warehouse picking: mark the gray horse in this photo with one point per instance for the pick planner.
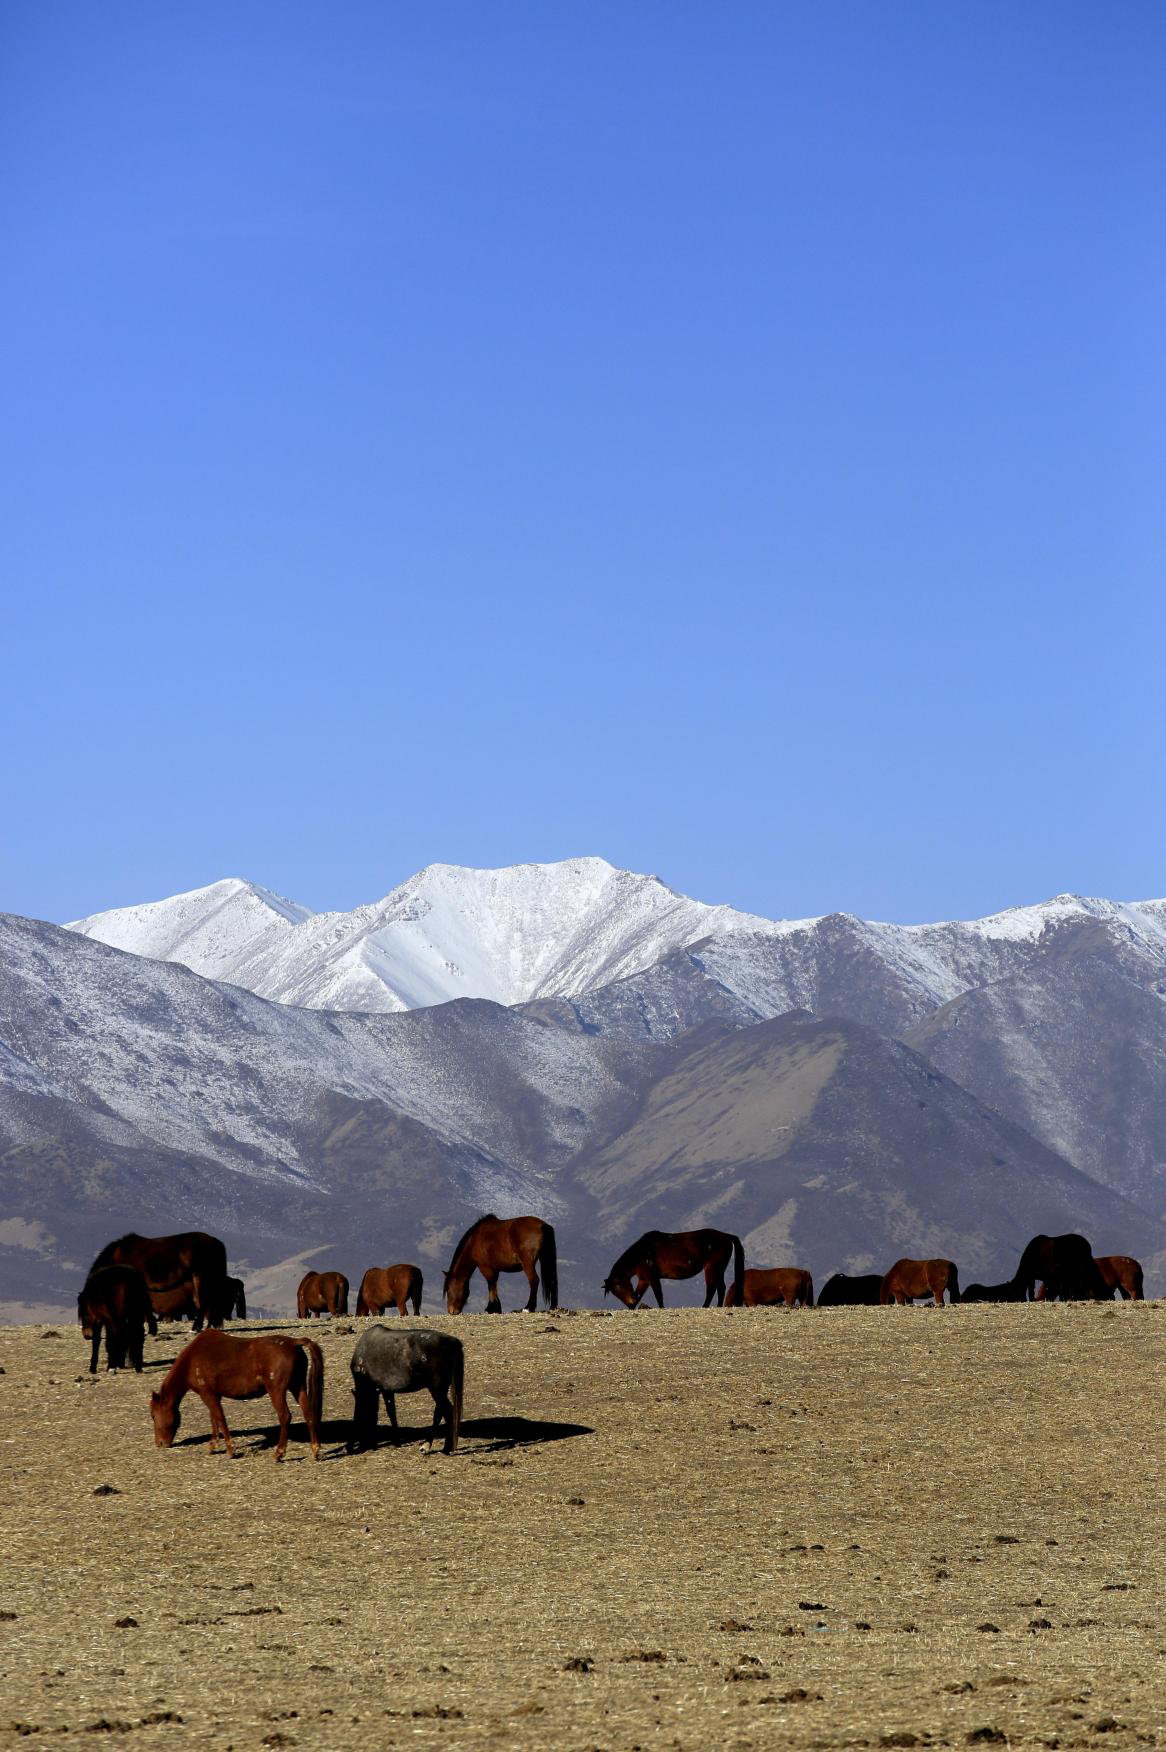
(389, 1362)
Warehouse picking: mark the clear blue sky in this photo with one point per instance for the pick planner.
(726, 438)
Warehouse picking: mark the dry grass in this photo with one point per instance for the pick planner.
(746, 1529)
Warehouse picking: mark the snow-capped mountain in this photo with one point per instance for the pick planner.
(508, 935)
(640, 959)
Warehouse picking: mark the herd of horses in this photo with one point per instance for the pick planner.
(138, 1280)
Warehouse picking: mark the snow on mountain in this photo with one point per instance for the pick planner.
(508, 935)
(603, 938)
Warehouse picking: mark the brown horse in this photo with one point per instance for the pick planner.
(390, 1286)
(659, 1254)
(216, 1367)
(909, 1278)
(1122, 1273)
(497, 1244)
(228, 1302)
(322, 1292)
(166, 1261)
(115, 1301)
(782, 1285)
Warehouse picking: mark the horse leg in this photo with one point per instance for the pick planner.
(390, 1400)
(442, 1414)
(214, 1406)
(493, 1300)
(93, 1354)
(532, 1280)
(714, 1284)
(278, 1396)
(137, 1340)
(654, 1280)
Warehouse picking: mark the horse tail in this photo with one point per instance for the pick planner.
(1137, 1282)
(953, 1282)
(548, 1258)
(313, 1385)
(361, 1304)
(457, 1389)
(809, 1301)
(738, 1270)
(241, 1301)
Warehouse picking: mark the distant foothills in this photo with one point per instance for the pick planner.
(342, 1090)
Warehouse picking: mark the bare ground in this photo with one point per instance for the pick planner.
(841, 1528)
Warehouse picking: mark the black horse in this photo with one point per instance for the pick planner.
(1005, 1292)
(841, 1291)
(1065, 1265)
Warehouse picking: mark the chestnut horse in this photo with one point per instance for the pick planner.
(1064, 1264)
(909, 1278)
(166, 1261)
(659, 1254)
(766, 1289)
(1122, 1273)
(496, 1244)
(115, 1301)
(390, 1286)
(217, 1366)
(322, 1292)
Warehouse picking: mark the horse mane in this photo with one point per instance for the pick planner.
(631, 1255)
(473, 1228)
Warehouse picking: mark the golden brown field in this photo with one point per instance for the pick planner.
(829, 1529)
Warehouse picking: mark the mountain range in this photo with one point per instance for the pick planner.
(581, 1041)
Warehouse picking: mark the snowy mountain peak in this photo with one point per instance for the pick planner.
(510, 934)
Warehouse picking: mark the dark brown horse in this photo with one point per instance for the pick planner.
(322, 1292)
(1119, 1271)
(228, 1302)
(217, 1366)
(497, 1244)
(786, 1286)
(166, 1261)
(1064, 1264)
(390, 1286)
(841, 1291)
(909, 1278)
(115, 1301)
(659, 1254)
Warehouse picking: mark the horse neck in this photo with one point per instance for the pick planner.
(177, 1382)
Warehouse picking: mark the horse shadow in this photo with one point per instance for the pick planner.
(489, 1435)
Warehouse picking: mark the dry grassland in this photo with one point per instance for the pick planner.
(843, 1528)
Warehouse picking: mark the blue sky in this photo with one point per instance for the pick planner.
(726, 439)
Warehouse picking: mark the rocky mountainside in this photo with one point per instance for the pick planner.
(137, 1094)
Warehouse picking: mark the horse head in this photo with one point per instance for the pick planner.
(621, 1287)
(456, 1292)
(166, 1420)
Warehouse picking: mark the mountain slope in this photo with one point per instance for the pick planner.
(825, 1143)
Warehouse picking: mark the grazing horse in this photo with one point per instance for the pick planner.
(766, 1289)
(228, 1302)
(909, 1278)
(496, 1244)
(217, 1366)
(390, 1286)
(1064, 1264)
(115, 1300)
(659, 1255)
(387, 1363)
(1005, 1292)
(167, 1261)
(322, 1292)
(841, 1291)
(1122, 1273)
